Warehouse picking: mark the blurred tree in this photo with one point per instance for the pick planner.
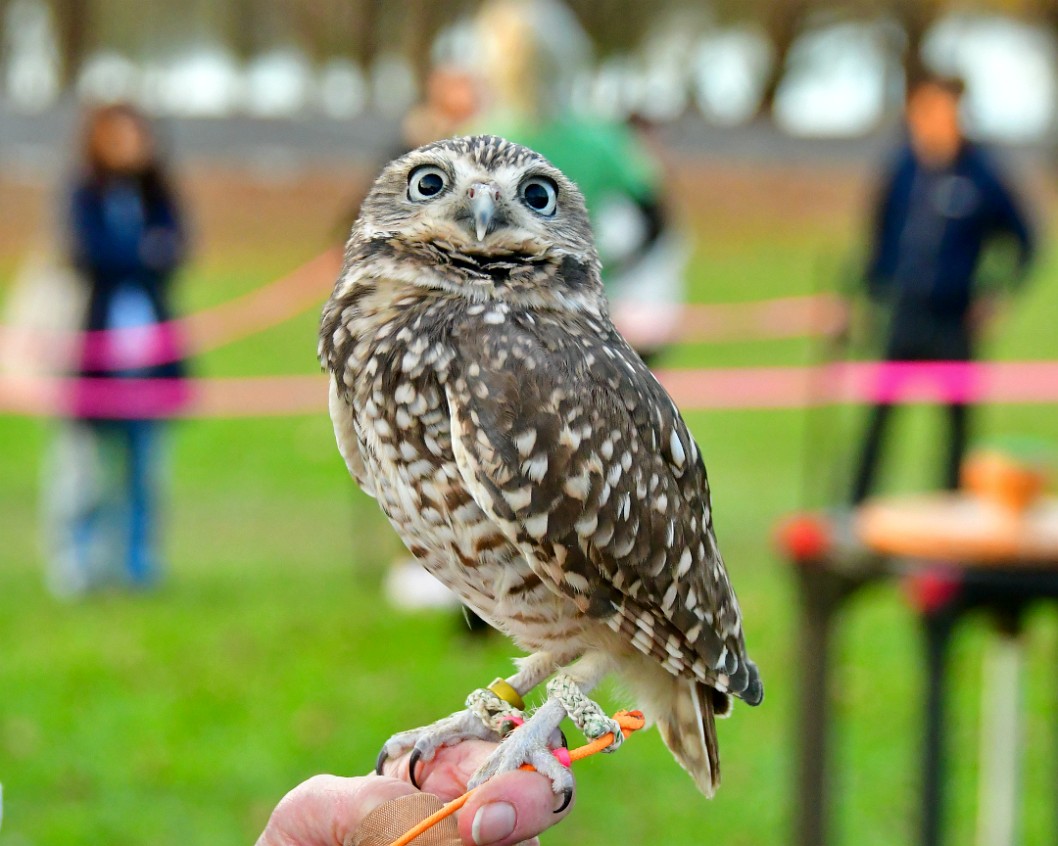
(1039, 10)
(327, 28)
(73, 24)
(361, 30)
(915, 18)
(1044, 11)
(615, 26)
(421, 24)
(240, 27)
(783, 22)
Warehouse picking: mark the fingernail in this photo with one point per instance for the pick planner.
(492, 823)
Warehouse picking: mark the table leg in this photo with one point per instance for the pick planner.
(938, 626)
(821, 594)
(1000, 745)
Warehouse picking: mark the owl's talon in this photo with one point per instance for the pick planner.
(567, 797)
(424, 742)
(413, 762)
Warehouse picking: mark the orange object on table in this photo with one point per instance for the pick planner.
(1002, 478)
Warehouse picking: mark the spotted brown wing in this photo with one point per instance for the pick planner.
(566, 439)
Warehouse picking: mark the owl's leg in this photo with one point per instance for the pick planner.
(531, 743)
(488, 715)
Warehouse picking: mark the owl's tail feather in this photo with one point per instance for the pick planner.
(689, 730)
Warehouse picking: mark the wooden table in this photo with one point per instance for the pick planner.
(958, 553)
(969, 529)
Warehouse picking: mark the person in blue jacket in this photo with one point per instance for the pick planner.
(943, 204)
(125, 239)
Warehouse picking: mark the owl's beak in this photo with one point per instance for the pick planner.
(483, 197)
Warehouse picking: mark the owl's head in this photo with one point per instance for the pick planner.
(485, 218)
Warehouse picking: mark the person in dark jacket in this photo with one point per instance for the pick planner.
(126, 239)
(943, 203)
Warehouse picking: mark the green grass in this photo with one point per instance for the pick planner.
(182, 716)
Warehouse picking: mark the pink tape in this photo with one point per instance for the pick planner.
(864, 382)
(1026, 382)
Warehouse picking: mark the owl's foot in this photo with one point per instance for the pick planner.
(533, 743)
(487, 717)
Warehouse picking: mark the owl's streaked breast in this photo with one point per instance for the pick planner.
(397, 363)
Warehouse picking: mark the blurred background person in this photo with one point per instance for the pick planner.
(125, 238)
(451, 100)
(942, 204)
(533, 49)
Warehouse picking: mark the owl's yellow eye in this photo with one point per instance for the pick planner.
(426, 182)
(541, 195)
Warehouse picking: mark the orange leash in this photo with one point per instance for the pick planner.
(629, 721)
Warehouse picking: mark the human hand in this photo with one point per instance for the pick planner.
(328, 810)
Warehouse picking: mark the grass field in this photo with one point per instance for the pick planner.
(182, 716)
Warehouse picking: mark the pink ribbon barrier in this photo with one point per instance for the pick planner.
(132, 348)
(125, 398)
(309, 284)
(784, 317)
(1011, 382)
(163, 343)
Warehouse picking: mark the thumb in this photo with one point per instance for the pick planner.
(510, 808)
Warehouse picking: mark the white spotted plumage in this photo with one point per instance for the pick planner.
(520, 448)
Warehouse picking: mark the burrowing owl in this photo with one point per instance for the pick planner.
(527, 456)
